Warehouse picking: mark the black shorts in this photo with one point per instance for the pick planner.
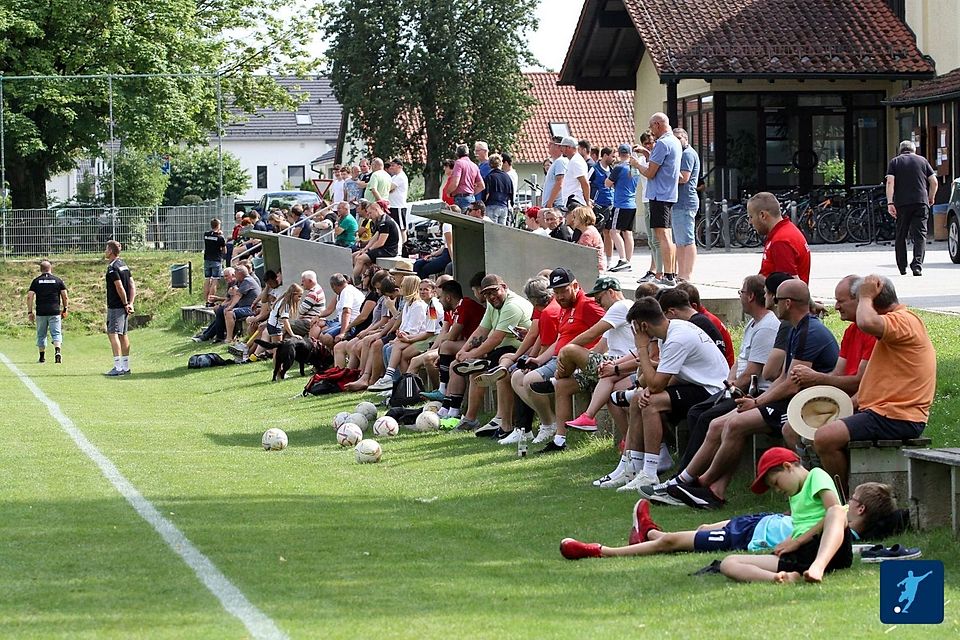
(379, 252)
(494, 356)
(774, 415)
(399, 216)
(682, 399)
(868, 425)
(622, 219)
(660, 214)
(801, 559)
(603, 214)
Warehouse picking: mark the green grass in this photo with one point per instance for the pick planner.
(448, 537)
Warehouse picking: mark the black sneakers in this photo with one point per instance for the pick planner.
(552, 447)
(470, 366)
(58, 358)
(42, 359)
(696, 497)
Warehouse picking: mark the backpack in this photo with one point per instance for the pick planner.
(406, 391)
(404, 416)
(204, 360)
(330, 380)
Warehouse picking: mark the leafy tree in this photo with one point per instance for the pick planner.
(50, 123)
(139, 180)
(418, 77)
(196, 172)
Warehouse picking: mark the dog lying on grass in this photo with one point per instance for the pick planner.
(305, 352)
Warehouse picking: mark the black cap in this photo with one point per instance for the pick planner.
(561, 277)
(776, 279)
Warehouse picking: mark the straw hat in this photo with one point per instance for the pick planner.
(403, 266)
(816, 406)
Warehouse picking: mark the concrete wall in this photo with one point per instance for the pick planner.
(293, 256)
(936, 22)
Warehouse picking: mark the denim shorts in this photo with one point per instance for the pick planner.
(51, 324)
(212, 269)
(548, 369)
(683, 222)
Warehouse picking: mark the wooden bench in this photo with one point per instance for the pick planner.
(197, 314)
(882, 461)
(390, 263)
(934, 487)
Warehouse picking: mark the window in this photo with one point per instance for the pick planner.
(559, 129)
(304, 118)
(261, 176)
(296, 175)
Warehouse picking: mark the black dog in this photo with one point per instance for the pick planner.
(296, 349)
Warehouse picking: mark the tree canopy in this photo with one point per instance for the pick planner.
(417, 77)
(50, 123)
(196, 172)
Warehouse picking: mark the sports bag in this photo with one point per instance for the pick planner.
(204, 360)
(406, 391)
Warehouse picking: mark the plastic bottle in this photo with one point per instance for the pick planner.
(522, 443)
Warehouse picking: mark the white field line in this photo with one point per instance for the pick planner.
(232, 599)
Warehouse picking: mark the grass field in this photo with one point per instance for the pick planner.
(447, 537)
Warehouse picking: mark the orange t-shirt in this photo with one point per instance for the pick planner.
(901, 376)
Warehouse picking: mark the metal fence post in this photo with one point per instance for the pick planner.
(725, 224)
(707, 218)
(793, 211)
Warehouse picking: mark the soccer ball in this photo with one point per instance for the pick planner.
(427, 421)
(368, 451)
(433, 406)
(386, 426)
(274, 440)
(340, 418)
(368, 409)
(360, 420)
(349, 434)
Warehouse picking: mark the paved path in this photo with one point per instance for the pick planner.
(719, 273)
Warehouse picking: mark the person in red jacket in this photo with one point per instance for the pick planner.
(785, 248)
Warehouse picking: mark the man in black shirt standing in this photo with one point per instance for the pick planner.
(50, 295)
(911, 188)
(121, 291)
(214, 250)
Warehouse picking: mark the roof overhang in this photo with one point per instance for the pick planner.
(605, 51)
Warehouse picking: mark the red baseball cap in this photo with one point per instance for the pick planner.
(771, 459)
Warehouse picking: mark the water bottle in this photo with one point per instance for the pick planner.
(522, 443)
(754, 390)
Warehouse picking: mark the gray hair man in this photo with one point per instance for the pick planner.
(911, 188)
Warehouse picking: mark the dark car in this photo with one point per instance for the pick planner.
(80, 228)
(286, 199)
(953, 223)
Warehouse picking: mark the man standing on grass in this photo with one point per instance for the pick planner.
(51, 297)
(121, 291)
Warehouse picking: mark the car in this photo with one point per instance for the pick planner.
(286, 199)
(80, 228)
(953, 223)
(246, 205)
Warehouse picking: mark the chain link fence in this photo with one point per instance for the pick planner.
(35, 232)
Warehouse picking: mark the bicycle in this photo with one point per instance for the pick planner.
(867, 220)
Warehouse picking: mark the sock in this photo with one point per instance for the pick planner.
(560, 441)
(686, 477)
(622, 467)
(391, 373)
(443, 364)
(453, 413)
(125, 362)
(650, 463)
(116, 363)
(43, 355)
(453, 403)
(443, 388)
(634, 460)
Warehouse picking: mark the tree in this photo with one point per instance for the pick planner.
(196, 172)
(139, 180)
(50, 123)
(417, 77)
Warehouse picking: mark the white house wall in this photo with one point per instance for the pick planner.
(276, 155)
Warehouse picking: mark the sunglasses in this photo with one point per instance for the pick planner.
(777, 299)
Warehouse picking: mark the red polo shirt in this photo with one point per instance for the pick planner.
(728, 351)
(584, 314)
(855, 346)
(786, 250)
(468, 315)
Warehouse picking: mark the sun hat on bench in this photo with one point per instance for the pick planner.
(816, 406)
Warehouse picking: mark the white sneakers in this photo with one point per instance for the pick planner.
(383, 384)
(641, 479)
(614, 480)
(511, 438)
(544, 434)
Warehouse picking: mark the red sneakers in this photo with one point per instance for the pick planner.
(583, 422)
(643, 524)
(575, 550)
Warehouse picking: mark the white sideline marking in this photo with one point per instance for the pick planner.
(232, 599)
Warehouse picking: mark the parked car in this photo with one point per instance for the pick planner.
(246, 205)
(80, 228)
(953, 223)
(286, 199)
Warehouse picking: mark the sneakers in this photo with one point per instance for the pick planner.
(622, 265)
(552, 447)
(383, 384)
(197, 338)
(583, 422)
(511, 437)
(466, 424)
(696, 497)
(113, 373)
(614, 480)
(649, 276)
(433, 396)
(446, 424)
(638, 481)
(643, 524)
(658, 493)
(41, 359)
(490, 378)
(57, 359)
(470, 366)
(488, 429)
(543, 388)
(240, 345)
(879, 553)
(544, 434)
(575, 550)
(668, 280)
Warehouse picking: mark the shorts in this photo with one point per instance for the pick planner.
(588, 377)
(682, 398)
(274, 330)
(239, 313)
(301, 326)
(660, 214)
(683, 223)
(423, 346)
(548, 369)
(332, 328)
(117, 321)
(212, 269)
(869, 425)
(775, 414)
(379, 252)
(801, 559)
(603, 215)
(52, 324)
(623, 219)
(399, 215)
(734, 536)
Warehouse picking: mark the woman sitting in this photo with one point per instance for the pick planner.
(582, 219)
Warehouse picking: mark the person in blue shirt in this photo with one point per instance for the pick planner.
(618, 232)
(663, 174)
(688, 203)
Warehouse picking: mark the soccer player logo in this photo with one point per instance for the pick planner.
(911, 592)
(909, 584)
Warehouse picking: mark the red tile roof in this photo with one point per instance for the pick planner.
(940, 89)
(605, 118)
(773, 38)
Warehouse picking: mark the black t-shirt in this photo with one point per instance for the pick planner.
(118, 271)
(710, 329)
(373, 297)
(386, 226)
(910, 173)
(213, 246)
(47, 287)
(562, 232)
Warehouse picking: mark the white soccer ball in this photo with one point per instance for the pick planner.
(274, 440)
(368, 410)
(368, 451)
(340, 418)
(433, 406)
(385, 426)
(360, 420)
(349, 434)
(427, 421)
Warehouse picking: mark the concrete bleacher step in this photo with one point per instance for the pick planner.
(197, 314)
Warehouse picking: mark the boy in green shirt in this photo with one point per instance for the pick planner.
(345, 234)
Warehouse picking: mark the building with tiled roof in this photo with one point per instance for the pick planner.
(772, 90)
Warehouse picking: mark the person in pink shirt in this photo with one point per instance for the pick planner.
(465, 180)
